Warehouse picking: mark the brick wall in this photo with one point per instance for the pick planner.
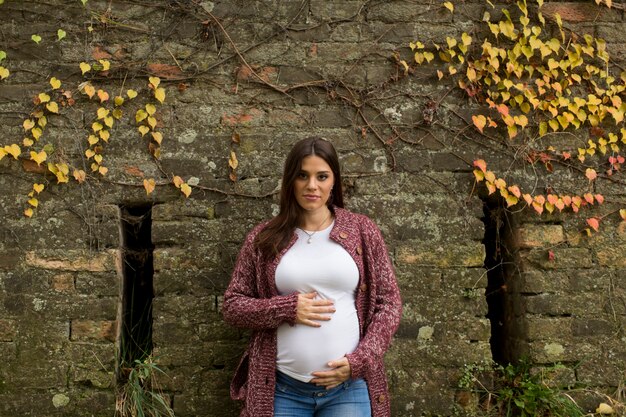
(60, 272)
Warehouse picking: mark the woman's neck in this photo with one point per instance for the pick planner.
(315, 220)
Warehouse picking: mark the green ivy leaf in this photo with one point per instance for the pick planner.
(61, 34)
(36, 39)
(2, 53)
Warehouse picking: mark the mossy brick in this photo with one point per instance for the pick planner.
(419, 280)
(9, 259)
(612, 255)
(96, 378)
(593, 327)
(198, 283)
(187, 405)
(564, 258)
(540, 327)
(603, 367)
(337, 10)
(64, 283)
(551, 304)
(540, 235)
(467, 278)
(174, 332)
(471, 254)
(539, 281)
(93, 330)
(192, 259)
(26, 281)
(8, 330)
(592, 280)
(166, 308)
(72, 260)
(403, 11)
(96, 284)
(418, 309)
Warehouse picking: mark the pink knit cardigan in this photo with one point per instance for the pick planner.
(252, 301)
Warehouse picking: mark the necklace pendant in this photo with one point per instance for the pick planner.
(309, 240)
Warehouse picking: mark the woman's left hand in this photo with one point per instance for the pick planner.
(330, 379)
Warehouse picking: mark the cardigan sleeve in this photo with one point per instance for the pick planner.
(387, 303)
(243, 307)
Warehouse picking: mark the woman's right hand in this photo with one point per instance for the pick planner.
(309, 310)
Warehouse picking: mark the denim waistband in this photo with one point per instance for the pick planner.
(307, 388)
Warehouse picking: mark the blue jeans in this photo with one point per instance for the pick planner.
(295, 398)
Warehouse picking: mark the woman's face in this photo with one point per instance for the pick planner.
(313, 184)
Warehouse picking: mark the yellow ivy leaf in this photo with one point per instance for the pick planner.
(512, 131)
(131, 94)
(38, 188)
(154, 81)
(43, 121)
(89, 153)
(28, 212)
(117, 113)
(43, 98)
(466, 39)
(85, 67)
(33, 202)
(55, 83)
(140, 115)
(479, 121)
(28, 124)
(149, 185)
(439, 74)
(622, 213)
(103, 96)
(159, 94)
(511, 200)
(157, 136)
(448, 5)
(105, 135)
(479, 175)
(96, 127)
(105, 64)
(185, 189)
(94, 167)
(89, 90)
(92, 139)
(79, 175)
(38, 157)
(98, 158)
(103, 170)
(150, 109)
(152, 122)
(178, 181)
(429, 56)
(108, 121)
(4, 73)
(27, 142)
(102, 113)
(232, 161)
(13, 150)
(118, 100)
(52, 107)
(143, 130)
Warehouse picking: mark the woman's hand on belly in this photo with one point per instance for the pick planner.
(330, 379)
(309, 310)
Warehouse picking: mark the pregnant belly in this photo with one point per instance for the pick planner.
(304, 349)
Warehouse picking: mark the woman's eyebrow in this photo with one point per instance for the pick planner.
(318, 172)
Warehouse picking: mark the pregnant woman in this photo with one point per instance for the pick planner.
(316, 286)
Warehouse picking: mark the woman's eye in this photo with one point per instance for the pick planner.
(322, 177)
(302, 175)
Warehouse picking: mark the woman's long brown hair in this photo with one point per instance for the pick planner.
(278, 232)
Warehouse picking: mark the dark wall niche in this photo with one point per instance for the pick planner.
(504, 299)
(137, 291)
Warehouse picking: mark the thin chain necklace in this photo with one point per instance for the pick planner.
(310, 235)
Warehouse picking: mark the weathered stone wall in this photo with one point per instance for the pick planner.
(60, 272)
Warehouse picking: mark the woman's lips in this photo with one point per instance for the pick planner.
(311, 197)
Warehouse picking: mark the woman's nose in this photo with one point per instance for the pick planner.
(312, 184)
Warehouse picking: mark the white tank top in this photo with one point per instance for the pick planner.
(323, 266)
